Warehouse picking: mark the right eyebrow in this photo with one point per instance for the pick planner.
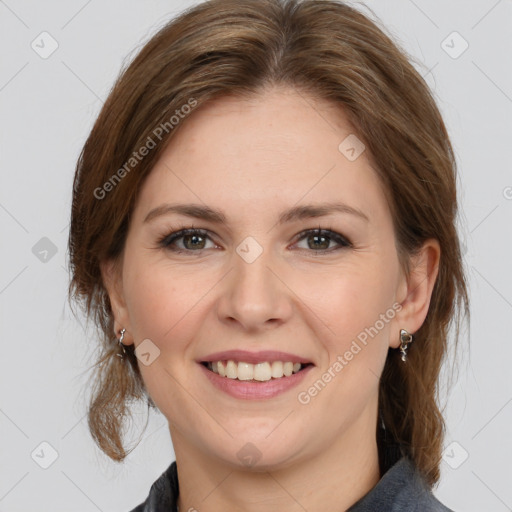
(202, 212)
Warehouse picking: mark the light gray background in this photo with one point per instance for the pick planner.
(47, 109)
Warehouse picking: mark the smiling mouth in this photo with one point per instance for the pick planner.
(260, 372)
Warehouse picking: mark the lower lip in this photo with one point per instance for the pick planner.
(255, 390)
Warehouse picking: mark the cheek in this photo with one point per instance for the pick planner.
(154, 295)
(350, 301)
(358, 309)
(152, 303)
(165, 301)
(163, 307)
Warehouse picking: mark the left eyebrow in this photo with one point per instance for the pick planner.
(202, 212)
(319, 210)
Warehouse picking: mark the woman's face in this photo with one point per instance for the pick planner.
(255, 282)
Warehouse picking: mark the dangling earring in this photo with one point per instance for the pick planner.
(120, 340)
(405, 339)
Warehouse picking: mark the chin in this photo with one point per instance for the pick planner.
(255, 453)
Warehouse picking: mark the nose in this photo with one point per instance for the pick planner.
(255, 294)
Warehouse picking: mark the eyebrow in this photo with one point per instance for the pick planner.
(206, 213)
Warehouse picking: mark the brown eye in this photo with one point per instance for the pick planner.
(318, 240)
(193, 240)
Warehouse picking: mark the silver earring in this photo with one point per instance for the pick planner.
(405, 339)
(120, 340)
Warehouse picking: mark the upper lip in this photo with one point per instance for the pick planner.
(254, 357)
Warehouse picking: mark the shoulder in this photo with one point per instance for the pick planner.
(163, 494)
(401, 488)
(414, 493)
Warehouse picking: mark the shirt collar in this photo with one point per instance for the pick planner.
(401, 488)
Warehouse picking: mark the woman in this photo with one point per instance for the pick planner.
(263, 228)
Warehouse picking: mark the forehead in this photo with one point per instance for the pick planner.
(280, 146)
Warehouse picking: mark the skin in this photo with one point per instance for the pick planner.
(253, 159)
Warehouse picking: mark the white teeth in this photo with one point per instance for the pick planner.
(262, 372)
(231, 370)
(277, 369)
(245, 371)
(287, 369)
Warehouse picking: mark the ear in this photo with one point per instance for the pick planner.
(415, 290)
(112, 280)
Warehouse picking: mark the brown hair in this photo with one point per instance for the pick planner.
(322, 48)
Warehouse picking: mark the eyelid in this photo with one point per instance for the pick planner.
(176, 234)
(342, 240)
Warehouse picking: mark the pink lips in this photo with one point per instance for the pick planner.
(251, 389)
(254, 390)
(254, 357)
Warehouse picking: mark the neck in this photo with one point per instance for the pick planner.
(331, 480)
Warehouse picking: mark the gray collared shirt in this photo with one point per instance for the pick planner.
(400, 489)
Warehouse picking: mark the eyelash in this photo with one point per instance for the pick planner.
(170, 238)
